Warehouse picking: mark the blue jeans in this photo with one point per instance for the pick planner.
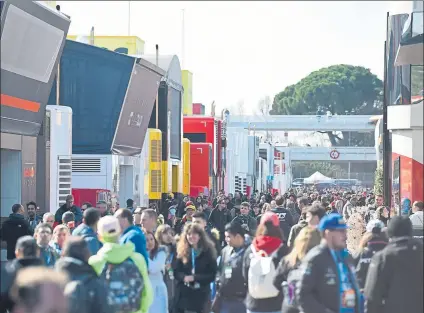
(232, 306)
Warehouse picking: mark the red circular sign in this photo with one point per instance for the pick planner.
(334, 154)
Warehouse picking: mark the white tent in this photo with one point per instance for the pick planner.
(317, 177)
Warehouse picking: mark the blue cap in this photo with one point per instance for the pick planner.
(332, 221)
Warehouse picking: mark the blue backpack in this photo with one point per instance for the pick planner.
(124, 285)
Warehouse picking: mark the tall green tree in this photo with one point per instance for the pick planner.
(340, 89)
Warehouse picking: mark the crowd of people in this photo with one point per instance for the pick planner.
(301, 252)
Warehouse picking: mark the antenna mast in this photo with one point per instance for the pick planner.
(129, 18)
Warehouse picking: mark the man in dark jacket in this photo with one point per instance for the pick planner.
(327, 282)
(27, 254)
(14, 227)
(245, 219)
(220, 217)
(395, 276)
(69, 206)
(286, 219)
(86, 291)
(231, 285)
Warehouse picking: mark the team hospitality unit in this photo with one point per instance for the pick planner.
(301, 252)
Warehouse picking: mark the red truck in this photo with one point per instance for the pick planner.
(200, 168)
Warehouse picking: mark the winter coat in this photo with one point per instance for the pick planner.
(89, 236)
(135, 235)
(318, 289)
(190, 298)
(395, 278)
(286, 220)
(363, 259)
(220, 218)
(117, 253)
(295, 230)
(247, 220)
(94, 290)
(15, 227)
(74, 209)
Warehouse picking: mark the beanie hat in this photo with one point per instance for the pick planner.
(399, 226)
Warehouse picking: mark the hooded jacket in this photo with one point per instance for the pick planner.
(15, 227)
(117, 253)
(135, 235)
(89, 236)
(82, 271)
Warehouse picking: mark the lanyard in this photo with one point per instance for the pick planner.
(193, 261)
(171, 257)
(234, 256)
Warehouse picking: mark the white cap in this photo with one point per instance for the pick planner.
(109, 226)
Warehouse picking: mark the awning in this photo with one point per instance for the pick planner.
(137, 108)
(28, 63)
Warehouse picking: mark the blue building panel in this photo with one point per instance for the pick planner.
(93, 82)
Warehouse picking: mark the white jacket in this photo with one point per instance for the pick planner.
(417, 219)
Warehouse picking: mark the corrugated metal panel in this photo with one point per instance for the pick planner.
(93, 82)
(86, 165)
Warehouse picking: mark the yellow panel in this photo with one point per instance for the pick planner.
(155, 164)
(187, 80)
(174, 178)
(117, 43)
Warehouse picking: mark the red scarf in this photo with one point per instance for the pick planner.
(266, 244)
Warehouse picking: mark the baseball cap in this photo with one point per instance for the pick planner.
(108, 227)
(270, 217)
(191, 207)
(332, 221)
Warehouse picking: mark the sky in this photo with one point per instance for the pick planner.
(240, 52)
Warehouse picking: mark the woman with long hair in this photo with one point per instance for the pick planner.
(195, 269)
(165, 237)
(383, 214)
(260, 263)
(307, 238)
(157, 259)
(372, 241)
(60, 234)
